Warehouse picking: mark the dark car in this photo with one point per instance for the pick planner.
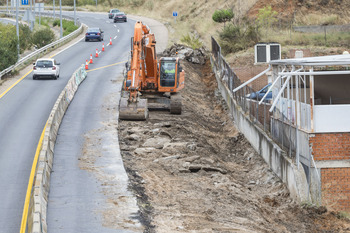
(260, 94)
(120, 16)
(112, 12)
(94, 34)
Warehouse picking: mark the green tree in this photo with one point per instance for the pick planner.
(43, 37)
(266, 17)
(25, 37)
(8, 46)
(234, 38)
(223, 16)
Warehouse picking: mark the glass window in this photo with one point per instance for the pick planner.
(167, 76)
(44, 64)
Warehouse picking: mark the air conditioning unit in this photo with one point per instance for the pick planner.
(266, 52)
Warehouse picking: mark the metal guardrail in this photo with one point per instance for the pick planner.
(60, 41)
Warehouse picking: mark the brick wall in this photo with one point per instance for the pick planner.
(330, 146)
(246, 73)
(336, 188)
(335, 182)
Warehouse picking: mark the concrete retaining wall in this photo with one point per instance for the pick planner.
(322, 29)
(39, 198)
(273, 155)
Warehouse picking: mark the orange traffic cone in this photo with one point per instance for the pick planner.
(110, 41)
(90, 58)
(96, 55)
(86, 65)
(103, 47)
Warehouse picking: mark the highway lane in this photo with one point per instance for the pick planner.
(84, 186)
(7, 21)
(24, 111)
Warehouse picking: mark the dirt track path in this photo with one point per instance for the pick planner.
(196, 173)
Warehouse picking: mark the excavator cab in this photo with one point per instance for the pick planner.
(167, 73)
(170, 73)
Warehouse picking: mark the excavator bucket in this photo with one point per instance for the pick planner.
(133, 111)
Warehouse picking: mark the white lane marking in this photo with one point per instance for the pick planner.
(115, 25)
(99, 52)
(115, 37)
(82, 38)
(118, 30)
(107, 44)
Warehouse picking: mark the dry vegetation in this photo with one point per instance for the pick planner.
(195, 19)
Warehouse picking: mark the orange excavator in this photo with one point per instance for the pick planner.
(150, 84)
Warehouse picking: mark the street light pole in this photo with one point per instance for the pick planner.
(75, 16)
(7, 6)
(17, 28)
(54, 9)
(61, 32)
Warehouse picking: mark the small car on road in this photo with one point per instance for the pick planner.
(46, 68)
(94, 34)
(120, 16)
(112, 12)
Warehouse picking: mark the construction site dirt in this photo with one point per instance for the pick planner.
(195, 172)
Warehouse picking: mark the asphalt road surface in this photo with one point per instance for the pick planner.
(26, 107)
(7, 21)
(79, 199)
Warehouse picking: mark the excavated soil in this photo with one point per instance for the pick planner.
(196, 173)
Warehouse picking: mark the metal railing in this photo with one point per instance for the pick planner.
(44, 49)
(259, 114)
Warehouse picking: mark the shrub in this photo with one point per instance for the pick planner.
(222, 16)
(25, 36)
(192, 41)
(43, 37)
(56, 23)
(234, 38)
(8, 46)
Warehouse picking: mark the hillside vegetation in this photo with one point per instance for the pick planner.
(195, 17)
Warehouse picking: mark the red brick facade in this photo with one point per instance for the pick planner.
(246, 73)
(331, 146)
(335, 182)
(336, 188)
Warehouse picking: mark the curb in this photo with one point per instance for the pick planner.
(39, 196)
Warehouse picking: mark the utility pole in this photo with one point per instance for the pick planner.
(34, 11)
(17, 28)
(39, 13)
(75, 16)
(7, 6)
(61, 32)
(54, 9)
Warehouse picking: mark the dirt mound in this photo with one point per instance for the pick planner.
(196, 173)
(195, 56)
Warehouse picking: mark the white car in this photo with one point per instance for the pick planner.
(46, 68)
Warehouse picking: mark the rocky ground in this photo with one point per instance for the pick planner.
(196, 173)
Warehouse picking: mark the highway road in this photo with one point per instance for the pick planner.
(24, 111)
(7, 21)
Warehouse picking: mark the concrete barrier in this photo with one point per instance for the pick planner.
(39, 198)
(273, 155)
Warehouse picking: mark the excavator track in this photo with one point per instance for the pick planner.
(175, 103)
(137, 111)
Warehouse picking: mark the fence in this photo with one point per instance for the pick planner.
(25, 60)
(259, 114)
